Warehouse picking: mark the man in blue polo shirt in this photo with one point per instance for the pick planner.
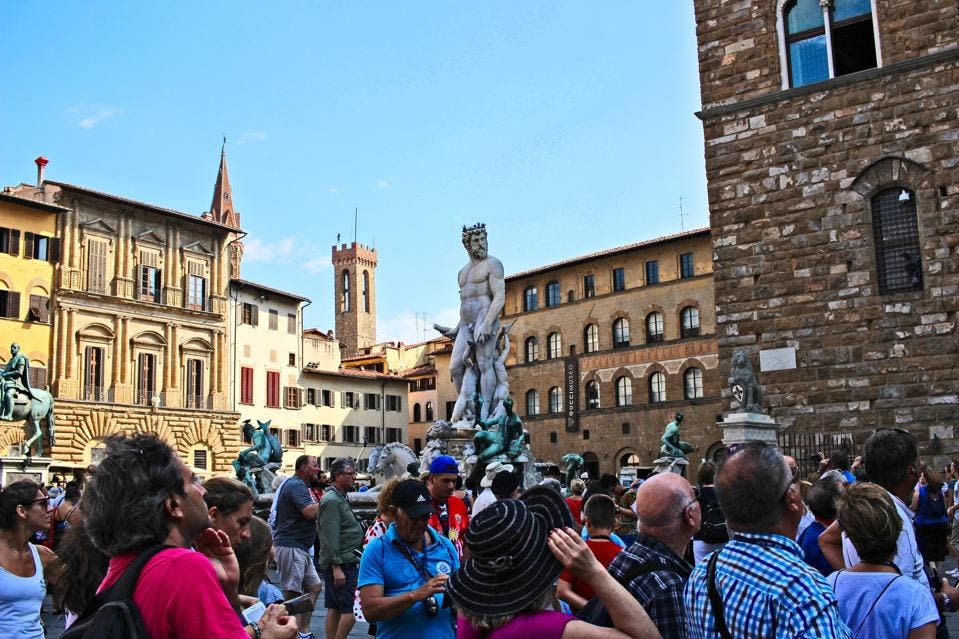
(403, 574)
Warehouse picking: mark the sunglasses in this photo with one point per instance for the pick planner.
(31, 504)
(793, 480)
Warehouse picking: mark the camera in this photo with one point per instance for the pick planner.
(432, 606)
(817, 457)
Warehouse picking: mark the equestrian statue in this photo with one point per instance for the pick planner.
(19, 402)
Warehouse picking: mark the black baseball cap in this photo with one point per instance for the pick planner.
(413, 497)
(504, 484)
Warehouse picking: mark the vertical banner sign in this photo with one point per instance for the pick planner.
(571, 386)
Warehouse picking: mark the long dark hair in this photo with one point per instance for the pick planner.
(78, 570)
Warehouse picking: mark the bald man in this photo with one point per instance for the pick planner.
(653, 568)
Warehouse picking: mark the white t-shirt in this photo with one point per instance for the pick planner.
(904, 606)
(486, 498)
(907, 550)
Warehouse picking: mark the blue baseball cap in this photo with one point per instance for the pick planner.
(444, 465)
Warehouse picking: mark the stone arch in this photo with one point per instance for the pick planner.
(38, 283)
(624, 452)
(201, 431)
(890, 172)
(11, 436)
(197, 344)
(156, 424)
(95, 425)
(5, 280)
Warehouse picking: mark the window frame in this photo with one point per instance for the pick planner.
(904, 243)
(554, 345)
(532, 402)
(827, 30)
(660, 336)
(554, 402)
(554, 296)
(692, 330)
(687, 265)
(589, 286)
(530, 298)
(594, 402)
(619, 279)
(591, 338)
(621, 332)
(623, 391)
(651, 272)
(697, 383)
(657, 396)
(531, 349)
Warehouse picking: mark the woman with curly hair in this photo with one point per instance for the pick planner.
(78, 570)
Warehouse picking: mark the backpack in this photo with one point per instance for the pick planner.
(594, 612)
(713, 528)
(932, 508)
(112, 613)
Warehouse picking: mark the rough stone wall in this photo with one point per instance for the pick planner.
(790, 175)
(82, 425)
(356, 327)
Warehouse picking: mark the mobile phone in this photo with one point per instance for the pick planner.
(299, 605)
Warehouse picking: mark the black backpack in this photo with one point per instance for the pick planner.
(713, 529)
(112, 613)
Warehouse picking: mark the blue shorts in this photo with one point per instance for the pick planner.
(340, 597)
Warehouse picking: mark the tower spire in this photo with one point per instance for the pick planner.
(221, 210)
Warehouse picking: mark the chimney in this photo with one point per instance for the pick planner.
(41, 164)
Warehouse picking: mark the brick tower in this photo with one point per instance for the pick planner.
(222, 211)
(354, 285)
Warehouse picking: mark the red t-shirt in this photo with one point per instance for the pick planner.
(576, 509)
(458, 517)
(604, 551)
(179, 596)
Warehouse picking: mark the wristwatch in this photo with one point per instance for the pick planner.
(256, 630)
(946, 602)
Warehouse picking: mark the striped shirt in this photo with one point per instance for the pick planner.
(767, 591)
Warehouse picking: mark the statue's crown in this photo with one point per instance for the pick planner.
(476, 227)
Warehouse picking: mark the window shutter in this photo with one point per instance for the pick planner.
(14, 248)
(38, 377)
(28, 245)
(53, 249)
(255, 315)
(13, 305)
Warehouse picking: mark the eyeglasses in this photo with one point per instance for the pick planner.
(793, 480)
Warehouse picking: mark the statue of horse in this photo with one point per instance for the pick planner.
(392, 460)
(33, 411)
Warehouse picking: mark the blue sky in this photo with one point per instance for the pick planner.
(567, 127)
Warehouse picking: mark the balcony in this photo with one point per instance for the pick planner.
(150, 398)
(201, 402)
(94, 393)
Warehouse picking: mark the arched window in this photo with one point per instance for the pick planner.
(689, 322)
(896, 232)
(552, 294)
(345, 300)
(532, 349)
(591, 338)
(366, 291)
(532, 402)
(429, 411)
(417, 413)
(654, 327)
(555, 405)
(592, 394)
(827, 39)
(530, 298)
(624, 391)
(554, 346)
(693, 383)
(620, 332)
(657, 388)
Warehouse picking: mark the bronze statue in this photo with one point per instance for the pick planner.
(573, 463)
(264, 449)
(508, 440)
(743, 385)
(19, 402)
(673, 446)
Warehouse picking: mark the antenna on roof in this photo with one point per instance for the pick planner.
(682, 215)
(356, 215)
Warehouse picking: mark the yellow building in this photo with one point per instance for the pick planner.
(141, 319)
(29, 252)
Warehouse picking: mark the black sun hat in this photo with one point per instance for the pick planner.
(510, 566)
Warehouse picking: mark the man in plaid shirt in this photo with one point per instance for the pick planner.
(653, 567)
(761, 586)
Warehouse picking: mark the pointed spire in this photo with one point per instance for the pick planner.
(221, 210)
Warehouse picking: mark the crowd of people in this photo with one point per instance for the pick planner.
(751, 550)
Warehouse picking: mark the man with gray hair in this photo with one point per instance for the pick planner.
(758, 585)
(341, 539)
(653, 568)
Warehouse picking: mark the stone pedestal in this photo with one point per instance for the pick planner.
(739, 428)
(670, 465)
(16, 468)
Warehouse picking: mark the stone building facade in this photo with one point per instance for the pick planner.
(266, 338)
(834, 207)
(140, 326)
(606, 347)
(354, 289)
